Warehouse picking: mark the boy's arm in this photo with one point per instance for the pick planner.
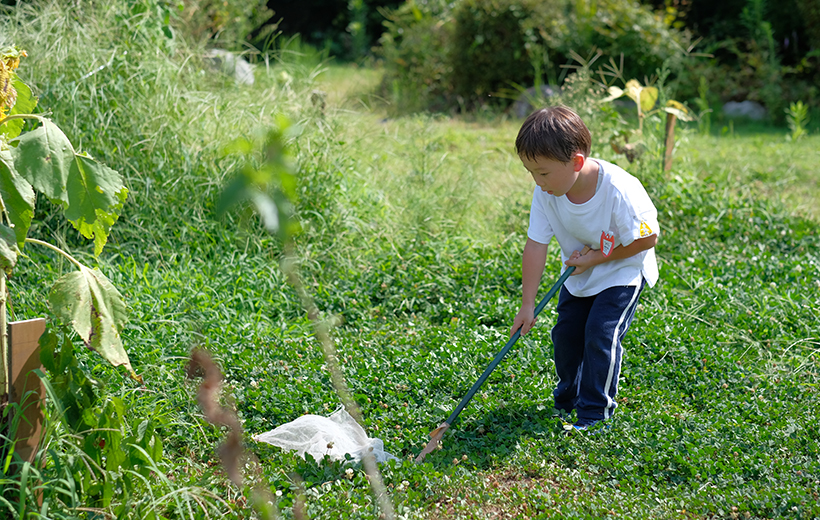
(594, 257)
(532, 267)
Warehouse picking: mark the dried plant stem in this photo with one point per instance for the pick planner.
(208, 398)
(322, 330)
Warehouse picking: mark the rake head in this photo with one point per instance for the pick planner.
(435, 440)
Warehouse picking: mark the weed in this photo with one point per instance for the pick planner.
(797, 116)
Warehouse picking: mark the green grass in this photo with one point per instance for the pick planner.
(764, 161)
(350, 86)
(412, 234)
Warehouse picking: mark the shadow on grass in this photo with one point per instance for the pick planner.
(488, 438)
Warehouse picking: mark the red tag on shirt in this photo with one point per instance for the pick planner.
(607, 243)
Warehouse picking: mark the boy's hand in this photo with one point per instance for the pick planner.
(580, 260)
(587, 257)
(525, 319)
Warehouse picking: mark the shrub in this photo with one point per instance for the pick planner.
(810, 11)
(748, 66)
(347, 29)
(623, 27)
(414, 47)
(482, 47)
(760, 51)
(790, 21)
(491, 40)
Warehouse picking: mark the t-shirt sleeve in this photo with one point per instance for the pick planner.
(540, 229)
(635, 214)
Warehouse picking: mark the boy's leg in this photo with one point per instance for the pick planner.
(609, 319)
(568, 343)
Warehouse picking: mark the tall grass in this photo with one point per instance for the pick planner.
(148, 104)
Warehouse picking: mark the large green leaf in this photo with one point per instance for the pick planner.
(18, 197)
(91, 193)
(94, 308)
(26, 102)
(43, 157)
(8, 249)
(95, 197)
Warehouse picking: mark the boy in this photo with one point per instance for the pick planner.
(607, 227)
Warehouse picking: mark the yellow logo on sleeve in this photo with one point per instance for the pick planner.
(645, 229)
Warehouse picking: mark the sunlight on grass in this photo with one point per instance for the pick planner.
(436, 173)
(774, 167)
(350, 86)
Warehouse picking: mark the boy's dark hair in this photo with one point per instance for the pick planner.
(554, 133)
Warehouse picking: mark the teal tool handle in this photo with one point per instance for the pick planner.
(498, 357)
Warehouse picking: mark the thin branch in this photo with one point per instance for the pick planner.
(4, 340)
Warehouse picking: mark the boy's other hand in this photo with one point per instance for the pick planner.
(580, 260)
(525, 320)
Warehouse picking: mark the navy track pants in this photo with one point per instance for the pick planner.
(588, 352)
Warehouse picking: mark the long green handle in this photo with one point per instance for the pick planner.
(498, 357)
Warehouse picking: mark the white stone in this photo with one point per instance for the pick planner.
(234, 66)
(749, 109)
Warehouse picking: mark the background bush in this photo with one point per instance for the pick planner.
(493, 41)
(346, 29)
(646, 39)
(718, 21)
(809, 10)
(482, 48)
(760, 50)
(468, 53)
(415, 49)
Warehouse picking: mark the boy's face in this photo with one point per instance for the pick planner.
(554, 177)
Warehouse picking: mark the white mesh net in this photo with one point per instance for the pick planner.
(320, 436)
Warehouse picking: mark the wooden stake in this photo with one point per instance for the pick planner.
(27, 389)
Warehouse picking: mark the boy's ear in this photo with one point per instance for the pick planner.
(578, 161)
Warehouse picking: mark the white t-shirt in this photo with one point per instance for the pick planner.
(619, 212)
